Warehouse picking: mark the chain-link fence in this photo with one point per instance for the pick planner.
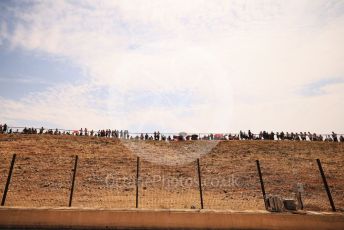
(332, 170)
(164, 186)
(40, 181)
(105, 182)
(230, 184)
(129, 182)
(286, 177)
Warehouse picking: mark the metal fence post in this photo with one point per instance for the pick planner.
(73, 180)
(8, 180)
(200, 182)
(261, 183)
(326, 186)
(137, 181)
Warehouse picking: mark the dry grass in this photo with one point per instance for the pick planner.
(107, 170)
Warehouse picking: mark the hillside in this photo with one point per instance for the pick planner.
(106, 172)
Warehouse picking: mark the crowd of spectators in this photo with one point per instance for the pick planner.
(124, 134)
(293, 136)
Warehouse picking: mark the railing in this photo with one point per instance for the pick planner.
(170, 136)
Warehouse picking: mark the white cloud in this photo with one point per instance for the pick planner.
(242, 60)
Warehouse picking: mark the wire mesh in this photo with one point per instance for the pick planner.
(5, 162)
(230, 184)
(106, 173)
(332, 170)
(164, 186)
(286, 176)
(40, 181)
(106, 182)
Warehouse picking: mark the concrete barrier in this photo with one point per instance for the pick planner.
(140, 218)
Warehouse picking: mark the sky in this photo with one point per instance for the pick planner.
(193, 66)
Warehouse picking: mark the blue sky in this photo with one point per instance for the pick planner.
(22, 73)
(195, 66)
(318, 88)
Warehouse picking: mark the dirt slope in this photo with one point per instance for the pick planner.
(168, 172)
